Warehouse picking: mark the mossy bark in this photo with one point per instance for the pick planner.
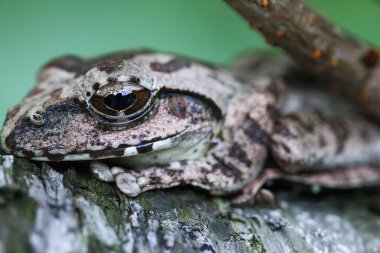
(46, 209)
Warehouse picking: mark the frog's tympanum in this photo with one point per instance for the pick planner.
(150, 120)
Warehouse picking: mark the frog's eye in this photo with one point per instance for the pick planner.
(121, 104)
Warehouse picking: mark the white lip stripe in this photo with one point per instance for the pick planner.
(164, 144)
(77, 157)
(130, 151)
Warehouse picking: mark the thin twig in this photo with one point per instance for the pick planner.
(349, 65)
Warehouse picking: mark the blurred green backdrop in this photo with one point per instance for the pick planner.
(32, 32)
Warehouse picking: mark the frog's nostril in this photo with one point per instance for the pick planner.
(120, 101)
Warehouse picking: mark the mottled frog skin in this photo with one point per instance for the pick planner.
(149, 120)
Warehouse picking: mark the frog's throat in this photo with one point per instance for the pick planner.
(110, 152)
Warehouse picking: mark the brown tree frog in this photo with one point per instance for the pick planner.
(151, 120)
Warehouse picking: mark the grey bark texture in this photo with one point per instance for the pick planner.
(60, 210)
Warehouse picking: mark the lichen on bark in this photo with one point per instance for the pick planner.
(66, 210)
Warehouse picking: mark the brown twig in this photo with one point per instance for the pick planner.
(349, 65)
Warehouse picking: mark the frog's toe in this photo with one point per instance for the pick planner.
(131, 185)
(116, 171)
(101, 171)
(254, 191)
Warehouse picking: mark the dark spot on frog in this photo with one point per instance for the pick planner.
(255, 133)
(173, 173)
(114, 59)
(195, 109)
(107, 152)
(204, 170)
(284, 132)
(112, 79)
(183, 163)
(50, 157)
(239, 154)
(153, 180)
(55, 158)
(178, 108)
(142, 136)
(93, 142)
(158, 139)
(110, 66)
(144, 148)
(370, 58)
(282, 145)
(341, 133)
(285, 148)
(27, 153)
(56, 92)
(272, 112)
(170, 66)
(225, 168)
(46, 136)
(212, 144)
(69, 63)
(96, 86)
(134, 79)
(95, 133)
(277, 88)
(307, 125)
(88, 93)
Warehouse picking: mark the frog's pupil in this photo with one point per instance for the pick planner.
(120, 101)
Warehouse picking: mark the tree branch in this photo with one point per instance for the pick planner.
(349, 65)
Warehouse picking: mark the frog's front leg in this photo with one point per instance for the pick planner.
(214, 173)
(226, 168)
(103, 172)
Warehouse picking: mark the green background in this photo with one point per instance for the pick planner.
(32, 32)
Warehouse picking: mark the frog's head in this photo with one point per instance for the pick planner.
(118, 107)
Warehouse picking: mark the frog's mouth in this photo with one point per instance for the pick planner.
(111, 152)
